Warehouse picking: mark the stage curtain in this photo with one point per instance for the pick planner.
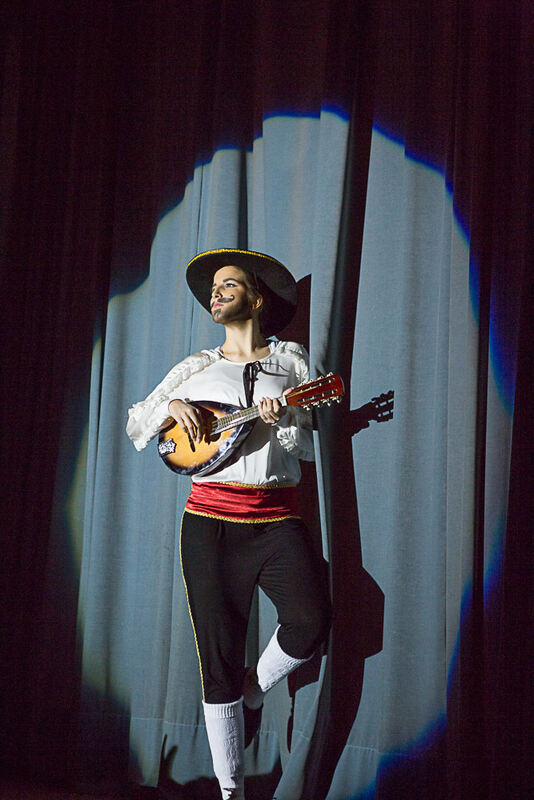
(382, 151)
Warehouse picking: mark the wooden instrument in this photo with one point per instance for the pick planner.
(229, 425)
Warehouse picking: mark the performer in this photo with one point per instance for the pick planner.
(241, 526)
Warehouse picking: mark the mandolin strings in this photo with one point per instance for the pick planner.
(231, 420)
(247, 414)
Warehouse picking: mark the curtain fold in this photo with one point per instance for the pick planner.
(383, 152)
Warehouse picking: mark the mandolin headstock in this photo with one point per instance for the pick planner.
(324, 389)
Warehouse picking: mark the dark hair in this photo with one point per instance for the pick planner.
(257, 286)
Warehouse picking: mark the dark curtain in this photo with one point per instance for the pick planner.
(107, 108)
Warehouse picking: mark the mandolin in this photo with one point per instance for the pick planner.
(228, 426)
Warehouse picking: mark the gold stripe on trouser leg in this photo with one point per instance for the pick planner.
(189, 607)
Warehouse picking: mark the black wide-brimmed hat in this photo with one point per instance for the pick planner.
(274, 282)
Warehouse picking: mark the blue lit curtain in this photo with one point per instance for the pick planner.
(345, 140)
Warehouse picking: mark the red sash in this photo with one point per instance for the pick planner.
(238, 503)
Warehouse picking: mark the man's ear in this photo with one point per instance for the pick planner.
(257, 302)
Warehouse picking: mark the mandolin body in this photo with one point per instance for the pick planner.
(187, 457)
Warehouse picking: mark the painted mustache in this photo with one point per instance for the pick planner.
(223, 300)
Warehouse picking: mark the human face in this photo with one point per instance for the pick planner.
(230, 296)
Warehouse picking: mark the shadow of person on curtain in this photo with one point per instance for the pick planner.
(358, 605)
(358, 602)
(378, 409)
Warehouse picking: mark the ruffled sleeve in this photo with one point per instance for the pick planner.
(148, 417)
(294, 431)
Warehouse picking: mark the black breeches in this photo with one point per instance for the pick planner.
(221, 563)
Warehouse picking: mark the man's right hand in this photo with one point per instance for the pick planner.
(188, 418)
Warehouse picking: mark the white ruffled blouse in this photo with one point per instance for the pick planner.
(269, 454)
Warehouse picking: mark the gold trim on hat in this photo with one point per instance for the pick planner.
(241, 252)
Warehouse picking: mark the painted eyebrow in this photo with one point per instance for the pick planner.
(224, 280)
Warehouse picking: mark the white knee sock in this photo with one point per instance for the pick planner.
(224, 725)
(273, 665)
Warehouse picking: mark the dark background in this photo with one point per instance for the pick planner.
(93, 94)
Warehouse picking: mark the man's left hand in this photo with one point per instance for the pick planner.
(271, 410)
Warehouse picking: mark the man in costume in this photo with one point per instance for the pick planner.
(241, 525)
